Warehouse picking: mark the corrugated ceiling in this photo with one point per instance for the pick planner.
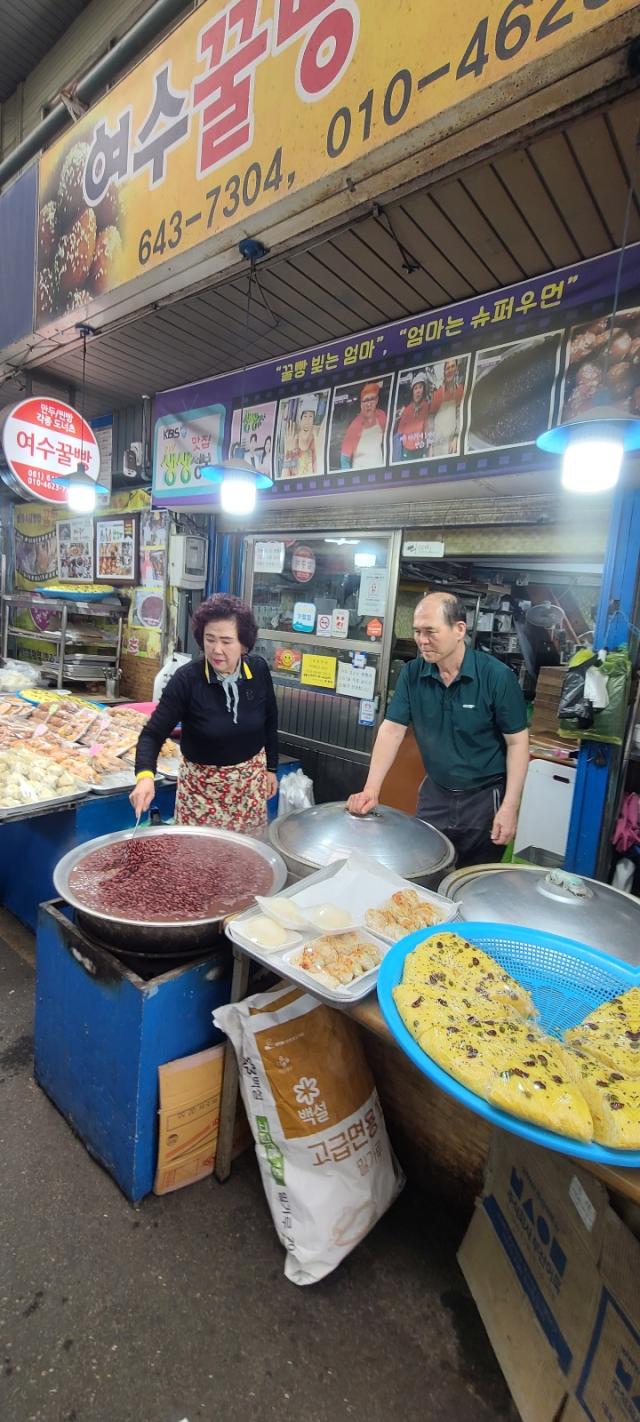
(29, 29)
(553, 201)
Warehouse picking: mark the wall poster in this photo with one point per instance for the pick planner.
(75, 550)
(116, 550)
(447, 394)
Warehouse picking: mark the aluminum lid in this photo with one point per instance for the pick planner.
(325, 833)
(554, 902)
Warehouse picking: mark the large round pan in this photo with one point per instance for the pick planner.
(158, 938)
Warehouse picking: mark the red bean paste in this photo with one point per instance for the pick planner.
(170, 879)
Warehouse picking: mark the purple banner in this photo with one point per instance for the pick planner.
(454, 393)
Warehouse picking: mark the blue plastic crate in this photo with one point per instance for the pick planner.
(567, 981)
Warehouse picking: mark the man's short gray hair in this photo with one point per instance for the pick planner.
(453, 609)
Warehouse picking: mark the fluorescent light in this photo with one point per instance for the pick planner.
(238, 494)
(591, 465)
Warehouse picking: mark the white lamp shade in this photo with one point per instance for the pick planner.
(592, 465)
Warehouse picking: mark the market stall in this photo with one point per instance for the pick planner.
(66, 770)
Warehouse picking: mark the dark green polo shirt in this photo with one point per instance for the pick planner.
(460, 728)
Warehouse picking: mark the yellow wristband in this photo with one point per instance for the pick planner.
(142, 775)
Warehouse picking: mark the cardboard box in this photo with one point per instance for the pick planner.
(609, 1385)
(556, 1277)
(190, 1091)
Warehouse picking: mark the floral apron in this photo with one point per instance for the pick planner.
(232, 797)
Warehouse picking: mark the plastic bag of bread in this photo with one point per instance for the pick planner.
(327, 1167)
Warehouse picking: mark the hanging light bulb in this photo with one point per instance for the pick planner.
(80, 488)
(238, 482)
(238, 494)
(590, 466)
(594, 445)
(238, 479)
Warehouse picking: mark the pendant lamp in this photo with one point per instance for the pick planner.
(238, 480)
(80, 488)
(593, 446)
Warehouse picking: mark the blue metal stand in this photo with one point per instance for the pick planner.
(101, 1033)
(597, 763)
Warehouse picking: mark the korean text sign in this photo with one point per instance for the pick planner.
(248, 102)
(447, 394)
(43, 439)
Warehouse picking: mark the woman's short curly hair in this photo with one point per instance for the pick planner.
(220, 608)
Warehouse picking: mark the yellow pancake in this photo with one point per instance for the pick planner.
(613, 1099)
(470, 966)
(612, 1033)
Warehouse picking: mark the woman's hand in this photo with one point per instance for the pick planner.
(142, 796)
(272, 784)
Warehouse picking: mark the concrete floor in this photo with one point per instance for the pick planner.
(179, 1309)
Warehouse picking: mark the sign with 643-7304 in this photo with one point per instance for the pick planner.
(249, 102)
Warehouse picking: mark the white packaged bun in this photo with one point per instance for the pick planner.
(330, 918)
(268, 934)
(283, 911)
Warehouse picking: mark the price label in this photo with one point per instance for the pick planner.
(269, 557)
(356, 681)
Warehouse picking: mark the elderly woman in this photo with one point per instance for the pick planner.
(227, 709)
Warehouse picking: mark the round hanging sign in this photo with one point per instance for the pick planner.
(303, 564)
(42, 438)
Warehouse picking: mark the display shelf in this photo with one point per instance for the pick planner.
(107, 607)
(103, 655)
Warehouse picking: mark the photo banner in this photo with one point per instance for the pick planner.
(247, 105)
(459, 392)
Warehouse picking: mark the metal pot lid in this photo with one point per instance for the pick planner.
(553, 901)
(325, 833)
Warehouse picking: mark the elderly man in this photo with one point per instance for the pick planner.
(469, 718)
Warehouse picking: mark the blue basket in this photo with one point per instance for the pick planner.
(567, 981)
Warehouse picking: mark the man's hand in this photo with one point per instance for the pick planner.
(143, 794)
(363, 802)
(504, 825)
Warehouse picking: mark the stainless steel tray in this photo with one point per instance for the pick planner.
(42, 807)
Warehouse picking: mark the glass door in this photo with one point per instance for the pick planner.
(324, 607)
